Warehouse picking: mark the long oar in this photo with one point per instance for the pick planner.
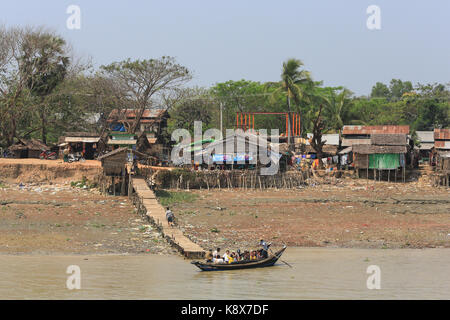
(286, 263)
(282, 260)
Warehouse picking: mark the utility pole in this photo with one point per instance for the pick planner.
(221, 118)
(289, 122)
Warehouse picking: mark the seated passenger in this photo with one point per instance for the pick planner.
(217, 260)
(246, 255)
(209, 256)
(226, 256)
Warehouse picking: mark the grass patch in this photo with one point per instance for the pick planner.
(168, 198)
(84, 183)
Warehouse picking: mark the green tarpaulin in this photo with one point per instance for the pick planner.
(384, 161)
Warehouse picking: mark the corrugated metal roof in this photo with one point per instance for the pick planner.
(367, 130)
(425, 136)
(441, 134)
(330, 138)
(350, 142)
(371, 149)
(121, 142)
(442, 144)
(82, 139)
(81, 134)
(426, 146)
(346, 150)
(388, 139)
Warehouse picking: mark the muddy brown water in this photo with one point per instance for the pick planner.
(320, 273)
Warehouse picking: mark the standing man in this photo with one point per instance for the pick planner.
(170, 217)
(265, 248)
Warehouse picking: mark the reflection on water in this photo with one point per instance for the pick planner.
(316, 274)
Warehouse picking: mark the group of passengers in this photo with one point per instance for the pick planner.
(228, 257)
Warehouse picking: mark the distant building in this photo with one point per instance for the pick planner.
(331, 146)
(25, 148)
(151, 123)
(385, 152)
(361, 134)
(426, 141)
(441, 154)
(88, 143)
(148, 136)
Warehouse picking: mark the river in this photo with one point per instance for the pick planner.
(316, 273)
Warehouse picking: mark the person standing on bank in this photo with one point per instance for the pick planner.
(170, 217)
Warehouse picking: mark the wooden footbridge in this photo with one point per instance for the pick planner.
(145, 200)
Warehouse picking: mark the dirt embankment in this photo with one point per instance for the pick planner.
(43, 171)
(60, 219)
(350, 214)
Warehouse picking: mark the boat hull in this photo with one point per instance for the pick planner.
(268, 262)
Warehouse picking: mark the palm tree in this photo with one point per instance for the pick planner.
(294, 84)
(336, 105)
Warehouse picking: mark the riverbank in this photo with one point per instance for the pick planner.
(349, 214)
(72, 219)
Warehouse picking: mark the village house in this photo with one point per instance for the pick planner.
(27, 148)
(331, 146)
(237, 151)
(385, 153)
(441, 155)
(361, 135)
(148, 136)
(117, 166)
(89, 144)
(426, 144)
(152, 121)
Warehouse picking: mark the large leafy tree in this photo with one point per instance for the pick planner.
(44, 62)
(196, 105)
(143, 81)
(14, 95)
(338, 102)
(380, 90)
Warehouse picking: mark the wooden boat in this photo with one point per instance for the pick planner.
(243, 264)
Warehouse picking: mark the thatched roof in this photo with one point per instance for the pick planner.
(350, 142)
(372, 149)
(368, 130)
(396, 139)
(81, 134)
(32, 144)
(124, 149)
(442, 134)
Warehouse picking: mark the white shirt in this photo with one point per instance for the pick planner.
(226, 258)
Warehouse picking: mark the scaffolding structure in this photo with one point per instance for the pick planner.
(246, 121)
